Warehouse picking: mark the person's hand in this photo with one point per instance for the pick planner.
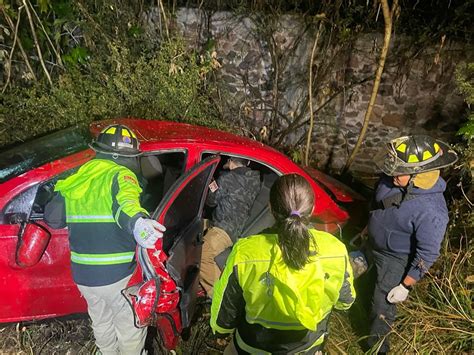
(147, 231)
(398, 294)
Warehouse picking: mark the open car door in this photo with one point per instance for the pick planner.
(163, 289)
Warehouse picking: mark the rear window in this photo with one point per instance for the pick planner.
(15, 161)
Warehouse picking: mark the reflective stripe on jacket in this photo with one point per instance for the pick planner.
(102, 205)
(275, 308)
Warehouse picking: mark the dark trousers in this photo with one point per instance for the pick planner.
(390, 269)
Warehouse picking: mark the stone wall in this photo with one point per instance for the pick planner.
(263, 82)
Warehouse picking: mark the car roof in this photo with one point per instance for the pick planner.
(168, 131)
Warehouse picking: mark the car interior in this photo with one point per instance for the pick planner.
(158, 173)
(260, 217)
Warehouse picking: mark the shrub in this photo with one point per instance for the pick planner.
(170, 84)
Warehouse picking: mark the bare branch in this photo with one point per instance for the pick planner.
(22, 50)
(8, 65)
(58, 56)
(35, 38)
(165, 20)
(310, 93)
(387, 14)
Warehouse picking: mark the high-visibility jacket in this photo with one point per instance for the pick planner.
(101, 207)
(277, 309)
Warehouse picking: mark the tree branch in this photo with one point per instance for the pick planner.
(310, 94)
(8, 64)
(22, 50)
(387, 14)
(35, 38)
(58, 57)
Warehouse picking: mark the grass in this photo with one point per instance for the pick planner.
(71, 336)
(439, 319)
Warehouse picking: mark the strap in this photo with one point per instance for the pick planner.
(395, 200)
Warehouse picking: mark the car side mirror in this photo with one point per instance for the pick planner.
(32, 242)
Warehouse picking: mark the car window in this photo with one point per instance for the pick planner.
(29, 204)
(30, 155)
(158, 173)
(19, 208)
(187, 205)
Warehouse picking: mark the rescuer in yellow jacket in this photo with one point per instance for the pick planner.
(101, 207)
(278, 289)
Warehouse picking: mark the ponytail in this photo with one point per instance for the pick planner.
(294, 240)
(292, 201)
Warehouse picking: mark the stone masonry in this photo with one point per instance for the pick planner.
(265, 95)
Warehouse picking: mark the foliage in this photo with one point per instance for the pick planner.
(105, 70)
(465, 82)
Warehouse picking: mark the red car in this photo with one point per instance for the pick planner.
(177, 164)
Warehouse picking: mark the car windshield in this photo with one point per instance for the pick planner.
(30, 155)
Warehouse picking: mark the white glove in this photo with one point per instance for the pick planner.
(147, 231)
(398, 294)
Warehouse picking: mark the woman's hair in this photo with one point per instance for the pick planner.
(292, 201)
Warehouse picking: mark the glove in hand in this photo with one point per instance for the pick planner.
(398, 294)
(147, 231)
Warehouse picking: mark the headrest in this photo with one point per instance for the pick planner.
(151, 167)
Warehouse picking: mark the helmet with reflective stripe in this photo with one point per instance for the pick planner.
(117, 140)
(415, 154)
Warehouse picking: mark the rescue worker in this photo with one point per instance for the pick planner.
(100, 206)
(278, 289)
(408, 224)
(232, 196)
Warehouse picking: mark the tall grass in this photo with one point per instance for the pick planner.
(439, 318)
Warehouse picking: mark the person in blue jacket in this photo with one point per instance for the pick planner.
(407, 225)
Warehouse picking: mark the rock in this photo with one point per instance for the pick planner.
(394, 120)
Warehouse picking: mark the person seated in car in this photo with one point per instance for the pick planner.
(232, 195)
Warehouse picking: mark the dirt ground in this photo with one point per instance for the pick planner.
(74, 336)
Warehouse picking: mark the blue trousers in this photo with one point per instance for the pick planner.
(391, 269)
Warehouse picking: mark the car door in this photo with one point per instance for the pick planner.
(44, 289)
(180, 211)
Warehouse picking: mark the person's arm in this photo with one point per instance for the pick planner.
(429, 233)
(126, 206)
(228, 302)
(211, 200)
(347, 293)
(217, 190)
(55, 212)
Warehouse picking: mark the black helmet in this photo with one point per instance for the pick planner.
(117, 140)
(414, 154)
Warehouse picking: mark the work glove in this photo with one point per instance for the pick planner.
(398, 294)
(147, 231)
